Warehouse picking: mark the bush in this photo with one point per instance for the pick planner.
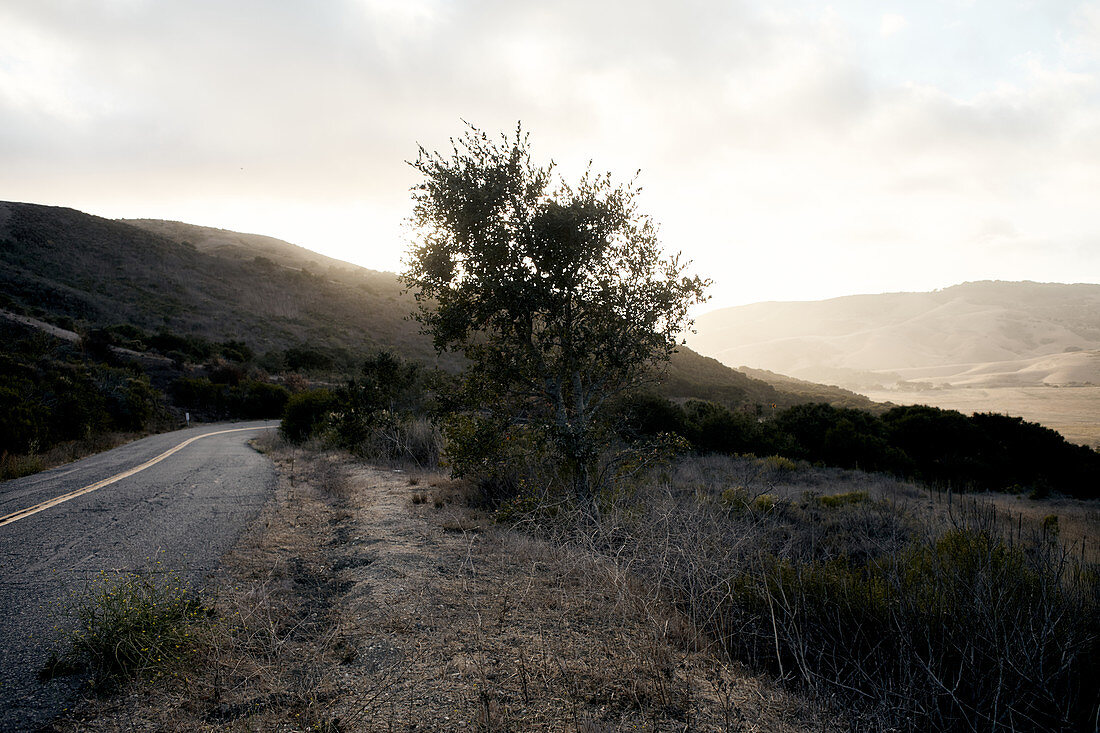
(23, 424)
(258, 400)
(306, 358)
(780, 464)
(645, 414)
(903, 617)
(305, 414)
(128, 626)
(504, 461)
(849, 498)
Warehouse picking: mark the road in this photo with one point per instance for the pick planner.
(185, 510)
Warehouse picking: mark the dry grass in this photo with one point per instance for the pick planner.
(820, 575)
(485, 628)
(348, 607)
(1078, 521)
(16, 466)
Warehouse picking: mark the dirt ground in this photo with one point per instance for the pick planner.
(373, 599)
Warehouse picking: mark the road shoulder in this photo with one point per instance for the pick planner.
(366, 598)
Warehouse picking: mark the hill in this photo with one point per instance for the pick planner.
(981, 333)
(82, 272)
(73, 269)
(691, 374)
(237, 246)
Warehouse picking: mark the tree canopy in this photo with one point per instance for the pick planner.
(558, 294)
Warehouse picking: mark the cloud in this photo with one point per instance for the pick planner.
(773, 150)
(892, 24)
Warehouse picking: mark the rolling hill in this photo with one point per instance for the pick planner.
(83, 272)
(989, 333)
(65, 266)
(1025, 348)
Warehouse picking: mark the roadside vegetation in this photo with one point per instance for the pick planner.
(941, 448)
(63, 398)
(903, 608)
(126, 626)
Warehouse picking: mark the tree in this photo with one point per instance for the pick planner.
(558, 295)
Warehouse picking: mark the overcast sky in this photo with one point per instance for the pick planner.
(794, 150)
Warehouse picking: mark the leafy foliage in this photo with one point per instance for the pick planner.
(380, 413)
(56, 391)
(558, 295)
(385, 386)
(305, 414)
(128, 626)
(50, 394)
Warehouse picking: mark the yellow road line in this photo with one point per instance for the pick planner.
(24, 513)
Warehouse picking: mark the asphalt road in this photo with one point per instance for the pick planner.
(184, 511)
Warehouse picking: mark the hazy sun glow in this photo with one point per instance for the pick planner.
(793, 150)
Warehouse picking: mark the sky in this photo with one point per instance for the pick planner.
(793, 150)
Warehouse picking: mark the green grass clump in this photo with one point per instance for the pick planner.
(835, 501)
(765, 503)
(735, 499)
(780, 463)
(129, 626)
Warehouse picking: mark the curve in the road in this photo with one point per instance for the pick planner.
(24, 513)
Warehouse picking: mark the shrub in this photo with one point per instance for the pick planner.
(504, 461)
(199, 394)
(1049, 525)
(128, 626)
(305, 414)
(849, 498)
(23, 423)
(765, 503)
(305, 358)
(191, 348)
(904, 619)
(735, 499)
(645, 414)
(781, 464)
(255, 399)
(962, 632)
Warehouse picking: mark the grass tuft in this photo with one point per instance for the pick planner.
(128, 626)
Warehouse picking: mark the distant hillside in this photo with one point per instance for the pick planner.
(693, 375)
(237, 246)
(84, 272)
(980, 333)
(59, 263)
